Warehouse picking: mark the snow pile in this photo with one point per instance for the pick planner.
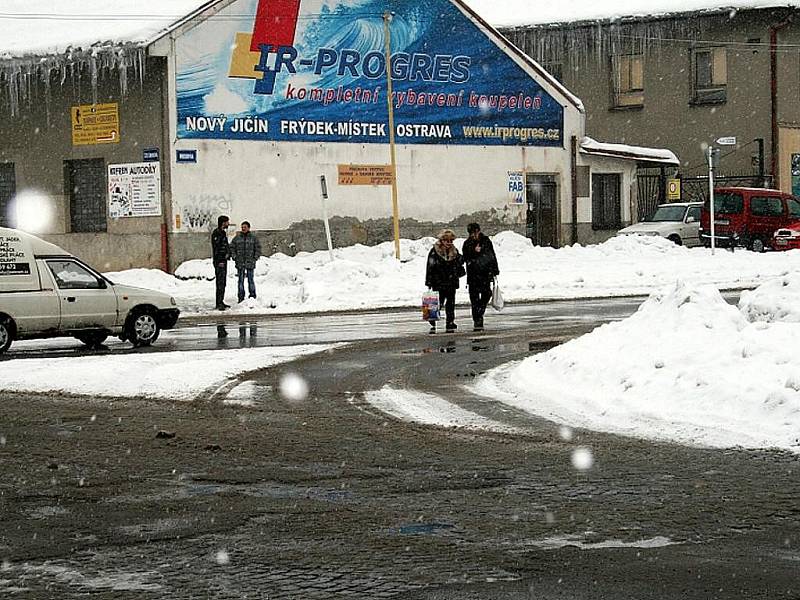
(164, 375)
(363, 277)
(687, 367)
(776, 300)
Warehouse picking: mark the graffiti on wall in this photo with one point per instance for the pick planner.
(199, 212)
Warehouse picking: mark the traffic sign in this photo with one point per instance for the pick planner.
(727, 141)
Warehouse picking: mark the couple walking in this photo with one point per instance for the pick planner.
(446, 266)
(245, 249)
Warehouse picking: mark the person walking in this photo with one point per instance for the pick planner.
(444, 268)
(220, 253)
(481, 270)
(246, 250)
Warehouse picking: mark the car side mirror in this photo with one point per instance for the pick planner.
(690, 219)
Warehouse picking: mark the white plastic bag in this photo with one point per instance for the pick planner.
(497, 297)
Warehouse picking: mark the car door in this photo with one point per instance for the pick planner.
(691, 226)
(85, 299)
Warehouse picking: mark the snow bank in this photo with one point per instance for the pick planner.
(162, 375)
(364, 277)
(687, 367)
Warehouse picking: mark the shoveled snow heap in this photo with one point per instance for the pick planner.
(687, 367)
(364, 277)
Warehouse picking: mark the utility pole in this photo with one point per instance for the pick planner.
(387, 17)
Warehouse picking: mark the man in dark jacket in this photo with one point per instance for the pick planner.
(220, 253)
(246, 250)
(481, 270)
(445, 267)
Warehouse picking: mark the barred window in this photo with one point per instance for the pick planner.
(8, 188)
(85, 183)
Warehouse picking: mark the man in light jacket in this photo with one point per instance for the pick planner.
(246, 250)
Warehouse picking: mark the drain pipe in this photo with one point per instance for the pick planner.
(574, 165)
(773, 93)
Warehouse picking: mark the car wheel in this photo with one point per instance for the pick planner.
(6, 333)
(143, 328)
(675, 239)
(92, 338)
(757, 245)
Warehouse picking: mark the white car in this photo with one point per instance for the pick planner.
(679, 222)
(47, 292)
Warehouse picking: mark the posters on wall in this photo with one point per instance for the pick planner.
(516, 187)
(95, 124)
(134, 190)
(316, 71)
(12, 256)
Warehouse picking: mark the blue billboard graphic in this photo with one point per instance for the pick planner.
(316, 71)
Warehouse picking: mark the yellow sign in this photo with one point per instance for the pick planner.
(95, 124)
(365, 175)
(673, 189)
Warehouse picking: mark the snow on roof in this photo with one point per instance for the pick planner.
(45, 27)
(509, 13)
(638, 153)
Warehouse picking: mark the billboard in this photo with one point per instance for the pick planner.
(316, 71)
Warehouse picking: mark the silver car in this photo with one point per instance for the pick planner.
(679, 222)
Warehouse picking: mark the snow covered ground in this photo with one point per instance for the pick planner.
(364, 277)
(158, 375)
(687, 367)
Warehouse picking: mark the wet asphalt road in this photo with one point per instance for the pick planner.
(329, 498)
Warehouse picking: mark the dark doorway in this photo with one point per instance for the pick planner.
(542, 218)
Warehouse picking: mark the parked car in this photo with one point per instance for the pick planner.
(678, 222)
(47, 292)
(787, 238)
(747, 216)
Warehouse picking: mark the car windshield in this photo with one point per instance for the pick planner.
(667, 213)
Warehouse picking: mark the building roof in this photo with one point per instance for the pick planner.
(45, 27)
(638, 153)
(511, 13)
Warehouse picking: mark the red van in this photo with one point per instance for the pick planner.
(747, 216)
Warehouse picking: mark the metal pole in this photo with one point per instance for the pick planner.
(387, 17)
(324, 186)
(711, 195)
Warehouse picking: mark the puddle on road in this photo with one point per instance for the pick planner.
(424, 528)
(453, 346)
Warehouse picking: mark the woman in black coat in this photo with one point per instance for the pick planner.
(445, 267)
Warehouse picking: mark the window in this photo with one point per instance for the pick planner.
(8, 188)
(710, 75)
(794, 208)
(85, 186)
(70, 275)
(761, 206)
(628, 75)
(726, 203)
(606, 205)
(693, 213)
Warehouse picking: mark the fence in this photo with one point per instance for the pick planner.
(652, 187)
